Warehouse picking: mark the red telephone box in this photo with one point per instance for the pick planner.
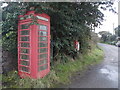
(33, 45)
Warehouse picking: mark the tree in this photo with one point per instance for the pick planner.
(105, 36)
(117, 31)
(113, 38)
(69, 21)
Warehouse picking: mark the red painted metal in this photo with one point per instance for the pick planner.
(29, 63)
(76, 45)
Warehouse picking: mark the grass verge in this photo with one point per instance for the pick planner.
(58, 75)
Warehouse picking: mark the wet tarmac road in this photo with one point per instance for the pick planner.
(104, 75)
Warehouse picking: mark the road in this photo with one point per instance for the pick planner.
(104, 75)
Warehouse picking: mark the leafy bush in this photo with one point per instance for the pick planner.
(69, 22)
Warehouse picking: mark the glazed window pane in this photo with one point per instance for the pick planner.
(41, 62)
(42, 45)
(25, 45)
(42, 33)
(24, 38)
(42, 38)
(25, 69)
(43, 67)
(25, 32)
(26, 63)
(26, 57)
(43, 27)
(42, 50)
(42, 56)
(24, 26)
(24, 50)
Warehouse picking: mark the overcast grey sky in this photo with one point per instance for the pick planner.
(110, 19)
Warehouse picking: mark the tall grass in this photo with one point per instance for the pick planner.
(59, 74)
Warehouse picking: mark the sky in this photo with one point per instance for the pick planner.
(111, 20)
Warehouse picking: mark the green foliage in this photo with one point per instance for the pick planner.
(107, 37)
(11, 80)
(117, 31)
(59, 74)
(69, 22)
